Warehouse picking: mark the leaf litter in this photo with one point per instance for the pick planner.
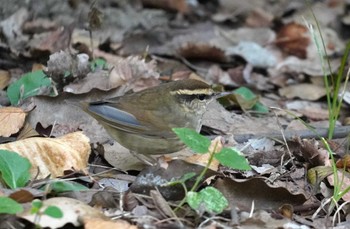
(261, 46)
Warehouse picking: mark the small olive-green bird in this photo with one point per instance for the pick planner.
(143, 121)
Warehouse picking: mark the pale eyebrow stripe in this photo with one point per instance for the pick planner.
(192, 92)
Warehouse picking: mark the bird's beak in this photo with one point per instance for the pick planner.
(221, 94)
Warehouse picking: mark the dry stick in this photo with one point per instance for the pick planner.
(284, 140)
(340, 132)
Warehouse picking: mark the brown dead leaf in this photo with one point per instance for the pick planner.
(51, 42)
(293, 39)
(27, 132)
(241, 193)
(133, 71)
(264, 219)
(4, 79)
(259, 18)
(172, 5)
(315, 114)
(202, 51)
(202, 159)
(22, 196)
(343, 182)
(310, 150)
(344, 162)
(39, 25)
(11, 120)
(53, 155)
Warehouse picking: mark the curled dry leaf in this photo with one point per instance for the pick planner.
(133, 71)
(53, 155)
(293, 38)
(74, 212)
(11, 120)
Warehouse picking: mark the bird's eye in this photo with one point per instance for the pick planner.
(201, 96)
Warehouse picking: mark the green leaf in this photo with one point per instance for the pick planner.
(53, 212)
(232, 158)
(246, 93)
(209, 199)
(14, 169)
(245, 97)
(67, 186)
(98, 63)
(187, 176)
(36, 205)
(261, 108)
(28, 85)
(9, 206)
(193, 140)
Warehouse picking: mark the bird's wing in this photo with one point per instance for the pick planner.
(108, 114)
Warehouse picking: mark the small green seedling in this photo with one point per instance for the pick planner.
(51, 211)
(208, 199)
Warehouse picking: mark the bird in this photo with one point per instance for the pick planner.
(143, 121)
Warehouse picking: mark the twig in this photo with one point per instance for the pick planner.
(340, 132)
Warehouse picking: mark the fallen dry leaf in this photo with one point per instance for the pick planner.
(343, 183)
(293, 39)
(172, 5)
(315, 113)
(11, 120)
(133, 71)
(241, 193)
(202, 159)
(304, 91)
(51, 42)
(4, 79)
(202, 51)
(259, 18)
(53, 155)
(101, 224)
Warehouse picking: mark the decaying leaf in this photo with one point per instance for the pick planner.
(202, 159)
(241, 193)
(53, 155)
(293, 38)
(343, 183)
(202, 51)
(132, 71)
(11, 120)
(172, 5)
